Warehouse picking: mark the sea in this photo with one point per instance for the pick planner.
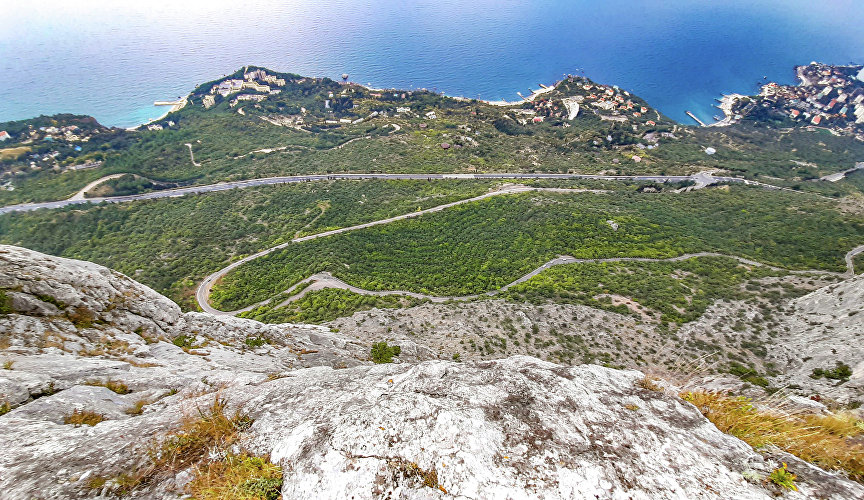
(113, 59)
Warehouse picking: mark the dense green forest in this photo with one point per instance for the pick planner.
(170, 244)
(666, 291)
(484, 245)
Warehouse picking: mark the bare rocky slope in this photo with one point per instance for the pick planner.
(784, 339)
(338, 425)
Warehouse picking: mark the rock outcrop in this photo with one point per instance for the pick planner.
(824, 333)
(339, 426)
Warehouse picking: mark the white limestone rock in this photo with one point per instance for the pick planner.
(339, 426)
(827, 327)
(514, 428)
(55, 407)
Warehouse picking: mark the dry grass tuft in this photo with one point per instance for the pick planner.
(114, 385)
(240, 477)
(83, 417)
(403, 469)
(649, 384)
(199, 433)
(138, 407)
(140, 364)
(829, 441)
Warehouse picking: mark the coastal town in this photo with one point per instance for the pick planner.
(51, 143)
(829, 97)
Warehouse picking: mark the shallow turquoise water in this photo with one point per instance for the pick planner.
(112, 60)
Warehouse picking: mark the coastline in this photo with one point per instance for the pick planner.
(177, 106)
(726, 104)
(501, 102)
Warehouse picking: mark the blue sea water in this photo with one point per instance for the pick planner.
(113, 59)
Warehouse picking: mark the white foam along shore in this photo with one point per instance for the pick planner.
(175, 106)
(726, 104)
(534, 93)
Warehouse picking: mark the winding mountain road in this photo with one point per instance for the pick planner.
(326, 280)
(82, 194)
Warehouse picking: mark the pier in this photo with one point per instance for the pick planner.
(691, 115)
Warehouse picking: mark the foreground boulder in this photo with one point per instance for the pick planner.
(81, 340)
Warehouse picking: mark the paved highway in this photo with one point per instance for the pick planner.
(701, 179)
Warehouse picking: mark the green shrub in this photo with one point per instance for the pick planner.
(256, 341)
(51, 300)
(382, 353)
(5, 303)
(841, 371)
(783, 478)
(184, 341)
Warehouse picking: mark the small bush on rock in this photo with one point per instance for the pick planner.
(783, 478)
(649, 384)
(81, 317)
(83, 417)
(5, 303)
(138, 407)
(841, 371)
(240, 477)
(184, 341)
(114, 385)
(382, 353)
(256, 341)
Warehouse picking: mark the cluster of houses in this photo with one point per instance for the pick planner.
(67, 133)
(251, 80)
(610, 103)
(828, 96)
(617, 102)
(42, 148)
(158, 126)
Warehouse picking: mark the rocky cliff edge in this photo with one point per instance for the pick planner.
(338, 425)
